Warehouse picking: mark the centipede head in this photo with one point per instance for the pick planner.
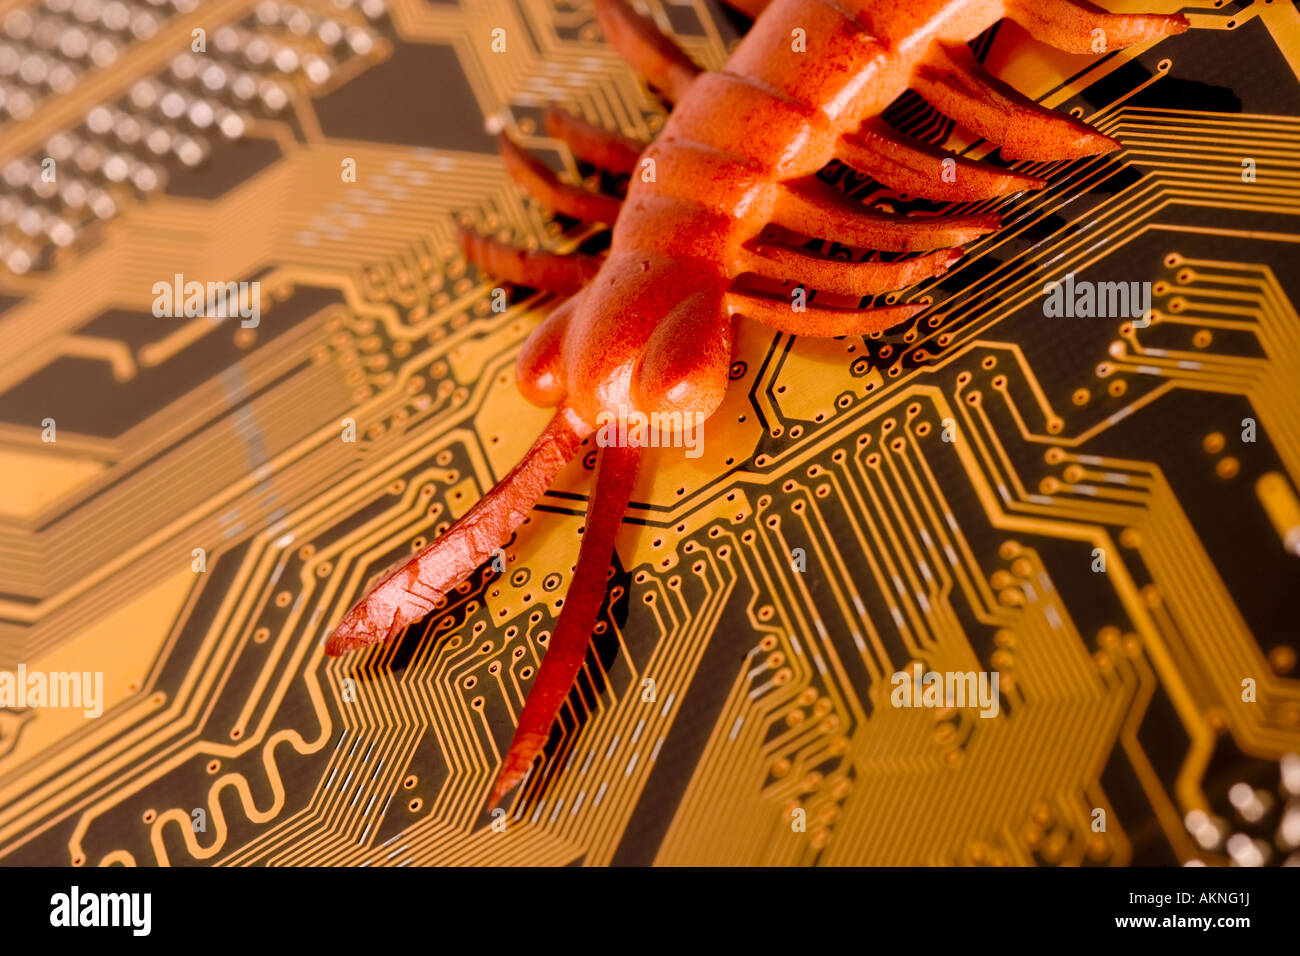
(649, 334)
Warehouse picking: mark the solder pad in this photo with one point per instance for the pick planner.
(1102, 511)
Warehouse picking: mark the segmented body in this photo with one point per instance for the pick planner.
(650, 328)
(773, 115)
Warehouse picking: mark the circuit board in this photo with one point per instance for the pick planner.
(1102, 510)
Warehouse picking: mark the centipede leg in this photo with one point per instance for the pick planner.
(912, 166)
(650, 51)
(955, 83)
(597, 145)
(1073, 25)
(750, 8)
(616, 469)
(816, 210)
(818, 321)
(846, 278)
(536, 179)
(552, 272)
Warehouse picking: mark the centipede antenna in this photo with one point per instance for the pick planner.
(616, 469)
(410, 591)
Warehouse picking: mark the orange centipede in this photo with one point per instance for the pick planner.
(649, 326)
